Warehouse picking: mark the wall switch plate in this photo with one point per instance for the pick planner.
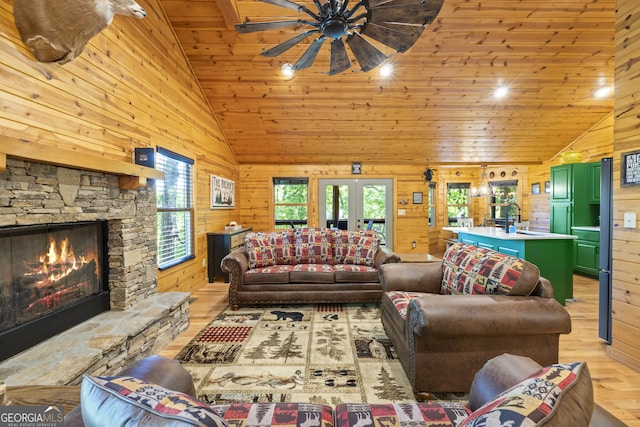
(629, 220)
(402, 212)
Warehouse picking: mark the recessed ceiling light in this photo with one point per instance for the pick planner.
(287, 70)
(501, 92)
(386, 70)
(602, 92)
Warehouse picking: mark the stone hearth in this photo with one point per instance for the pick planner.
(141, 320)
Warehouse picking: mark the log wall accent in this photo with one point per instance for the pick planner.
(626, 241)
(132, 87)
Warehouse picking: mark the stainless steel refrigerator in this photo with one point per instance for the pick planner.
(606, 235)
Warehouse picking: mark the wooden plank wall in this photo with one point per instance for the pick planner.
(626, 242)
(594, 144)
(118, 95)
(255, 189)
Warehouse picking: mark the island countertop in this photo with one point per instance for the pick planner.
(498, 233)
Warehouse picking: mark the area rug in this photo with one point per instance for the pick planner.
(325, 353)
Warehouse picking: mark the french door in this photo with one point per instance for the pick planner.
(357, 204)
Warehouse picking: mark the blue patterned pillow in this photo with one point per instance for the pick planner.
(130, 401)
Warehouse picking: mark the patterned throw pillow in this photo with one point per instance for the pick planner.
(341, 241)
(362, 251)
(282, 244)
(131, 401)
(313, 246)
(468, 269)
(259, 249)
(557, 395)
(422, 414)
(276, 414)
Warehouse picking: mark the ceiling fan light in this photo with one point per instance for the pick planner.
(386, 70)
(287, 70)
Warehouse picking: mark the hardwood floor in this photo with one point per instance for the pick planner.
(616, 386)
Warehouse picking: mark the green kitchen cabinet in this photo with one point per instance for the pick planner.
(586, 252)
(594, 183)
(573, 195)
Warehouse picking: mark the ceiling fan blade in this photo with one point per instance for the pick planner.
(310, 54)
(339, 57)
(252, 27)
(285, 46)
(399, 11)
(397, 40)
(367, 55)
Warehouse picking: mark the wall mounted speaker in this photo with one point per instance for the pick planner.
(145, 157)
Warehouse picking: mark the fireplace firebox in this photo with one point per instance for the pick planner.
(52, 277)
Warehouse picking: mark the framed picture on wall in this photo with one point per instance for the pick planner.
(223, 193)
(535, 188)
(630, 169)
(417, 197)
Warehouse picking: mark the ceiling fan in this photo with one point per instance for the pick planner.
(394, 23)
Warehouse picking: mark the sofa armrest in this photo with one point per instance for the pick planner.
(385, 255)
(159, 370)
(236, 264)
(486, 315)
(412, 277)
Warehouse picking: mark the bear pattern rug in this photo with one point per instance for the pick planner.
(323, 353)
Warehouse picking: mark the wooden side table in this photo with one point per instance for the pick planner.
(419, 257)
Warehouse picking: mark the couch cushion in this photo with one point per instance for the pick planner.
(440, 413)
(362, 251)
(341, 241)
(273, 274)
(559, 395)
(468, 269)
(259, 250)
(282, 244)
(276, 414)
(313, 246)
(312, 273)
(349, 273)
(130, 401)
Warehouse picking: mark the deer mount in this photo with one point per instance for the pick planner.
(58, 30)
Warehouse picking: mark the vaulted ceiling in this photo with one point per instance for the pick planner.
(438, 106)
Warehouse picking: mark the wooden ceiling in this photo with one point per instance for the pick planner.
(437, 107)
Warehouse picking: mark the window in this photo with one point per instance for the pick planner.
(174, 201)
(431, 201)
(291, 202)
(457, 201)
(504, 193)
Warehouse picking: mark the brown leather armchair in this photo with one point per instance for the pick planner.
(443, 340)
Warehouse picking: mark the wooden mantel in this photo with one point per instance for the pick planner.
(131, 176)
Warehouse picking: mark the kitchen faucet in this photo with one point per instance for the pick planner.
(506, 218)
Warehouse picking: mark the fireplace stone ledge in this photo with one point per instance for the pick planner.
(102, 345)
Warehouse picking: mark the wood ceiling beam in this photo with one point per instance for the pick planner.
(230, 12)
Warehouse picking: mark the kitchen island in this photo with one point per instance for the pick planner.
(552, 253)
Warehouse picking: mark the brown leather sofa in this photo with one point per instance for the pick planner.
(443, 340)
(574, 406)
(306, 266)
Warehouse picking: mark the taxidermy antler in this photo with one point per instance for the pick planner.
(58, 30)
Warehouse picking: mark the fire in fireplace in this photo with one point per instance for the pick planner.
(51, 278)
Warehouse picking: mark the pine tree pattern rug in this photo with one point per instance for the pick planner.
(324, 353)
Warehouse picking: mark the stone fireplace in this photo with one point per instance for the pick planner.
(36, 194)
